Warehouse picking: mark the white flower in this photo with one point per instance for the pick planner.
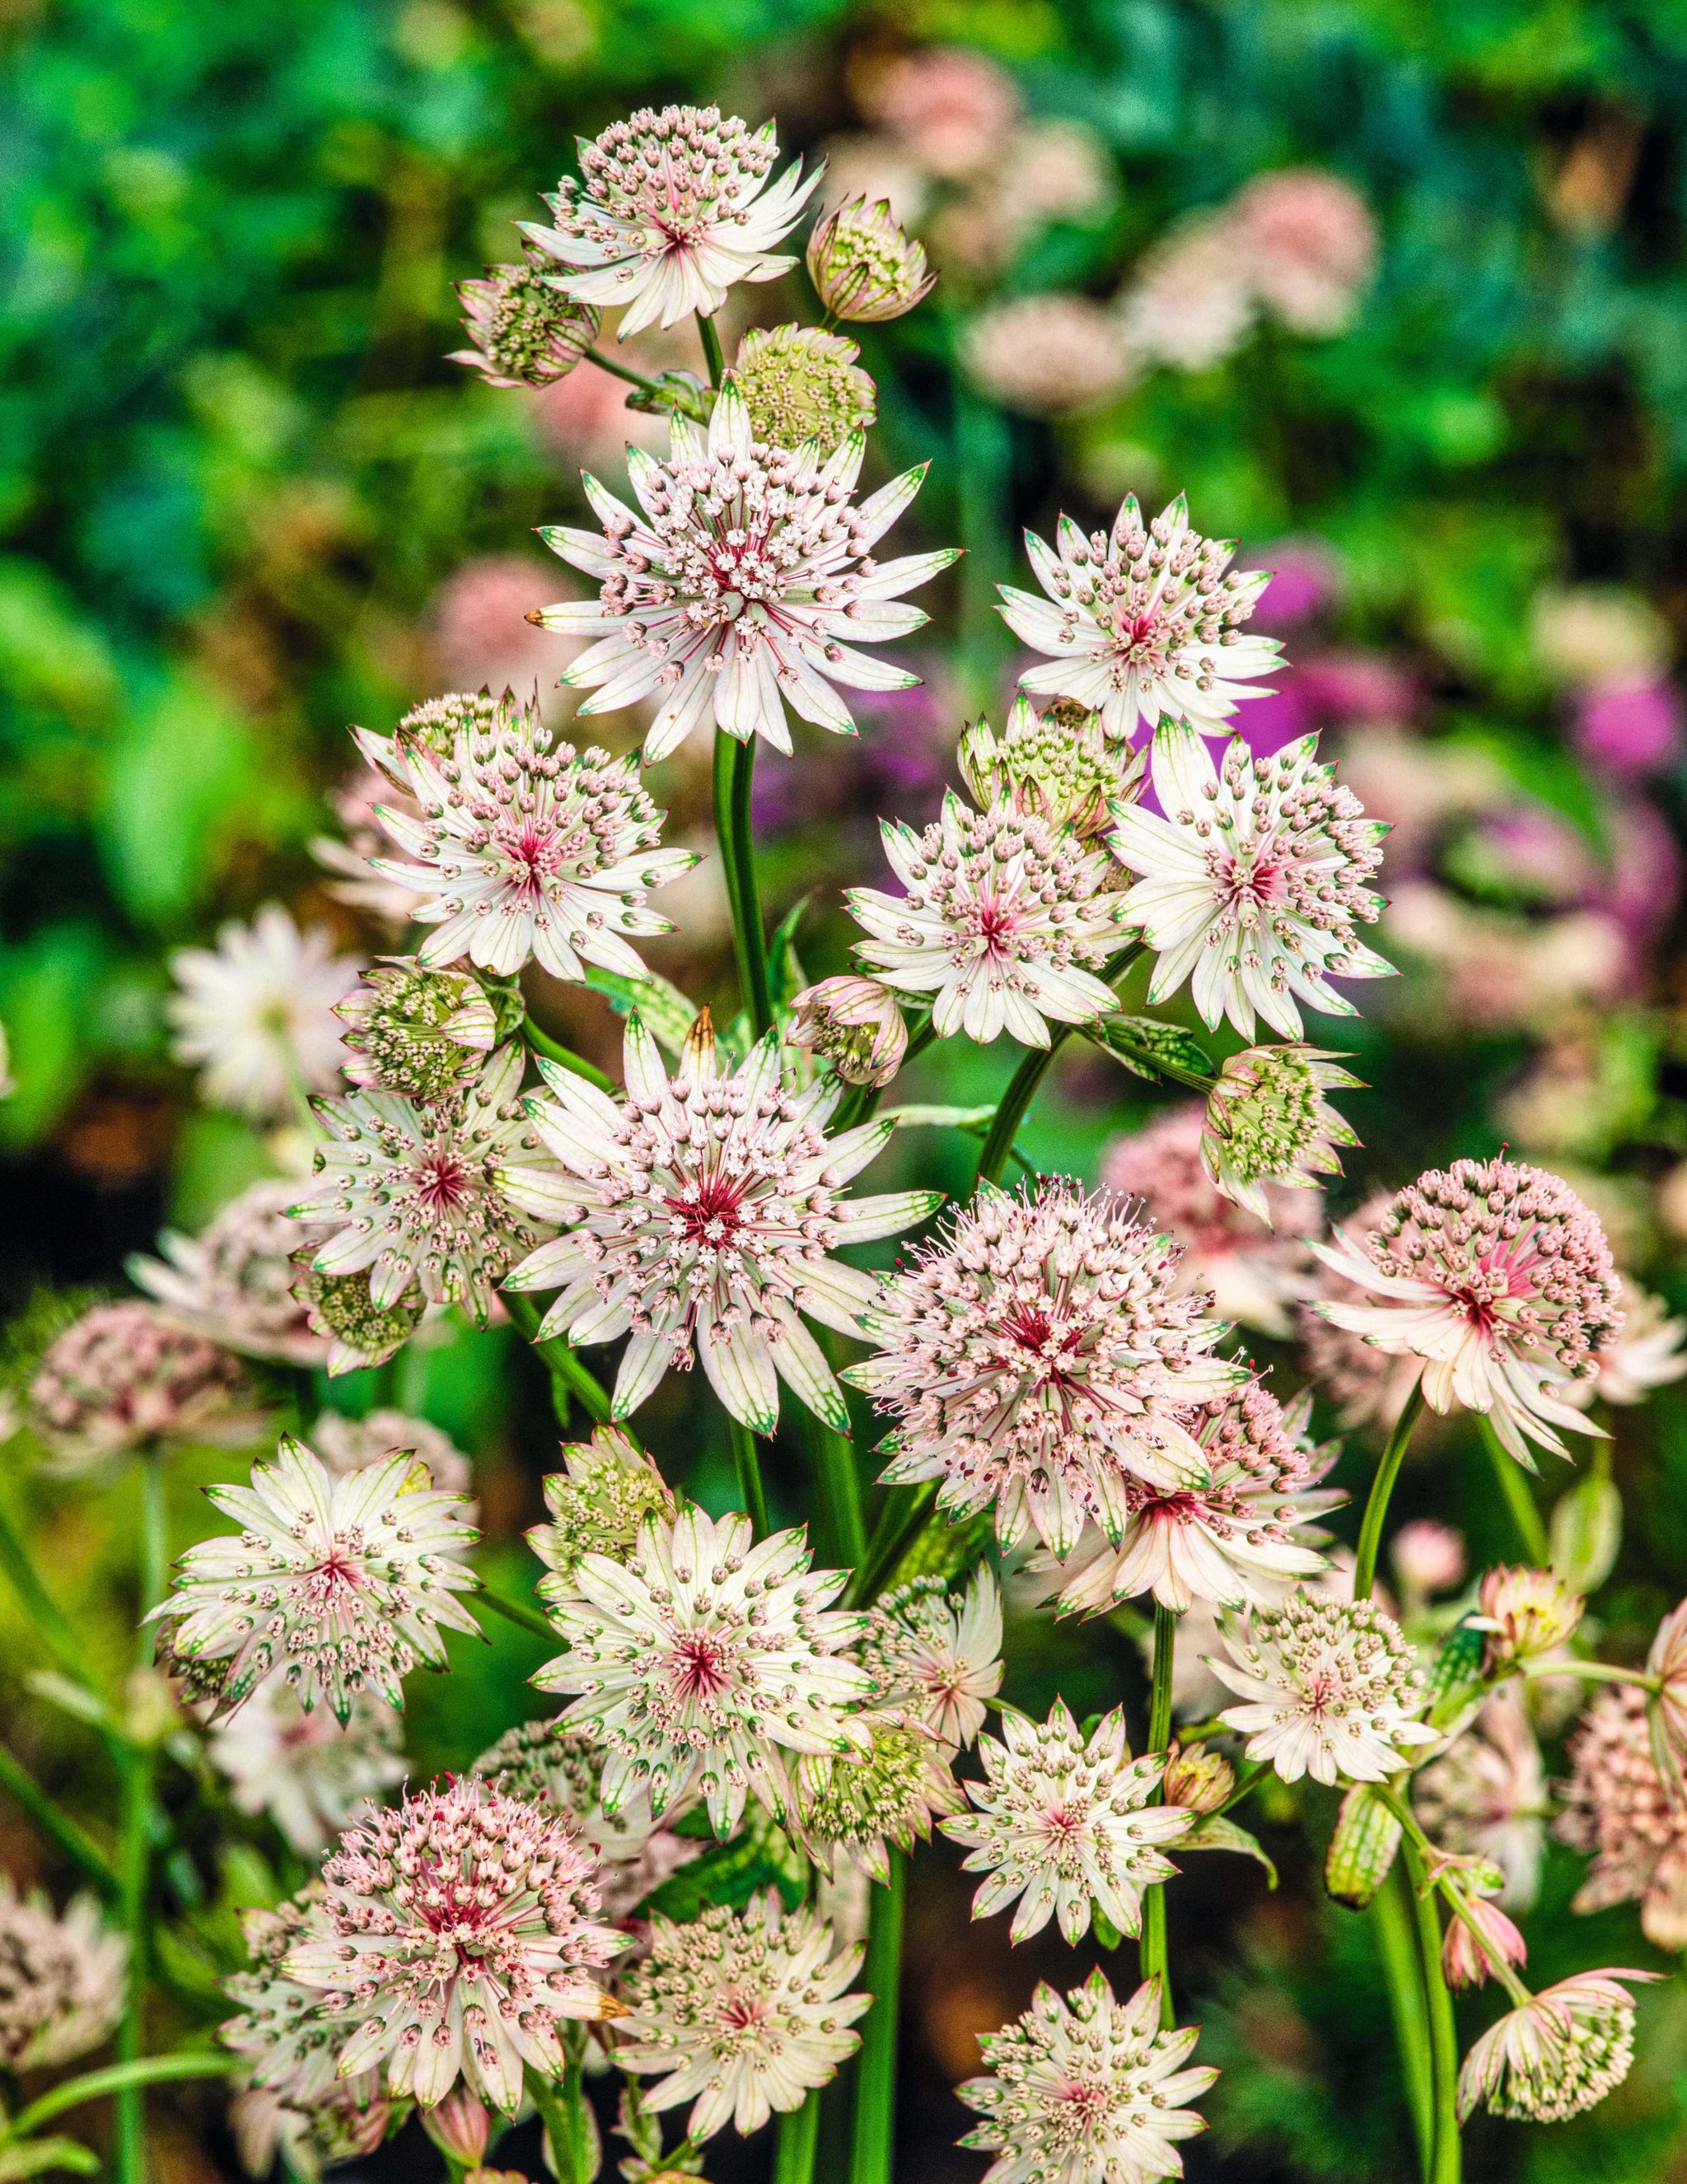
(704, 1659)
(853, 1809)
(745, 2011)
(342, 1585)
(527, 852)
(418, 1195)
(937, 1655)
(1004, 922)
(256, 1014)
(64, 1980)
(1253, 880)
(673, 210)
(1064, 1823)
(699, 1213)
(1560, 2051)
(311, 1776)
(744, 586)
(1086, 2091)
(1142, 621)
(1329, 1689)
(606, 1488)
(233, 1283)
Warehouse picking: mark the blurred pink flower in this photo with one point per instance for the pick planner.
(480, 631)
(1629, 728)
(1356, 686)
(951, 107)
(1190, 305)
(1049, 355)
(1310, 245)
(1304, 578)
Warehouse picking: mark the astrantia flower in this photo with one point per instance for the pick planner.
(63, 1979)
(1036, 1356)
(256, 1016)
(1052, 354)
(699, 1213)
(348, 1445)
(1500, 1279)
(1329, 1689)
(291, 2039)
(1086, 2091)
(1646, 1352)
(599, 1500)
(123, 1375)
(856, 1023)
(339, 1308)
(1236, 1541)
(746, 585)
(420, 1033)
(1427, 1557)
(741, 2012)
(672, 210)
(1528, 1611)
(1486, 1796)
(233, 1283)
(858, 1808)
(530, 852)
(1058, 765)
(1365, 1385)
(347, 2124)
(461, 1930)
(1561, 2051)
(1252, 877)
(308, 1773)
(1143, 622)
(937, 1655)
(419, 1196)
(863, 267)
(527, 331)
(1064, 1823)
(703, 1660)
(799, 383)
(1267, 1121)
(1618, 1807)
(342, 1585)
(1004, 922)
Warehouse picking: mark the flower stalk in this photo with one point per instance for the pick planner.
(872, 2152)
(1382, 1488)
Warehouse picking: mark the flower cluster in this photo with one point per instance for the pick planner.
(63, 1979)
(123, 1376)
(1618, 1807)
(598, 1502)
(937, 1655)
(255, 1015)
(1267, 1121)
(234, 1283)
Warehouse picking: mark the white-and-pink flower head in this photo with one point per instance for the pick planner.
(1560, 2051)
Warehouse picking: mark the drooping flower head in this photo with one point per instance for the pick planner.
(1143, 622)
(255, 1015)
(1618, 1807)
(1560, 2053)
(1480, 1941)
(311, 1774)
(857, 1809)
(419, 1196)
(527, 331)
(1329, 1689)
(420, 1033)
(1036, 1356)
(744, 586)
(799, 383)
(1267, 1121)
(1086, 2091)
(1064, 1822)
(863, 267)
(937, 1655)
(1058, 765)
(1501, 1280)
(741, 2012)
(233, 1283)
(529, 850)
(123, 1375)
(1004, 921)
(698, 1212)
(1253, 877)
(341, 1585)
(672, 208)
(459, 1931)
(1486, 1796)
(63, 1979)
(855, 1023)
(703, 1660)
(598, 1501)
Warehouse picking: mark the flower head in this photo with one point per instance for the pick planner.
(698, 1212)
(287, 2032)
(740, 587)
(799, 383)
(457, 1931)
(342, 1585)
(1529, 1613)
(309, 1773)
(1619, 1807)
(1427, 1557)
(123, 1375)
(255, 1016)
(339, 1310)
(1198, 1779)
(1143, 622)
(419, 1196)
(853, 1023)
(527, 331)
(530, 852)
(1560, 2051)
(702, 1660)
(63, 1979)
(936, 1655)
(1086, 2091)
(1253, 877)
(420, 1033)
(233, 1283)
(1329, 1689)
(1057, 355)
(1366, 1385)
(1037, 1356)
(1004, 922)
(863, 267)
(673, 210)
(1064, 1822)
(855, 1809)
(1308, 241)
(1267, 1121)
(599, 1500)
(1486, 1796)
(347, 2124)
(1499, 1278)
(741, 2012)
(1059, 766)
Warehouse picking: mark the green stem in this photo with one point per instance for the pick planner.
(797, 2143)
(712, 356)
(875, 2084)
(1519, 1499)
(1448, 2165)
(1247, 1780)
(59, 1829)
(135, 1856)
(565, 1056)
(621, 370)
(43, 1610)
(832, 1455)
(1392, 1921)
(1023, 1085)
(1592, 1672)
(1382, 1487)
(1154, 1960)
(735, 772)
(518, 1612)
(569, 1375)
(748, 1466)
(558, 2114)
(93, 2085)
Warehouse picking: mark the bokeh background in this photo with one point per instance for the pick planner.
(1395, 294)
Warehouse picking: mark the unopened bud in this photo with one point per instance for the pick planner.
(460, 2127)
(526, 329)
(856, 1024)
(360, 1332)
(416, 1031)
(1427, 1557)
(1527, 1612)
(1267, 1121)
(864, 266)
(799, 383)
(1199, 1780)
(1468, 1958)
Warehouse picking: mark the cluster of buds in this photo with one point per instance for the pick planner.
(800, 383)
(359, 1332)
(418, 1033)
(863, 267)
(1058, 765)
(1268, 1122)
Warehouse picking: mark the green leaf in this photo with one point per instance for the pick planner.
(45, 988)
(34, 2156)
(1586, 1531)
(1106, 1932)
(919, 1117)
(788, 976)
(1151, 1048)
(1455, 1678)
(667, 1014)
(1362, 1849)
(1214, 1832)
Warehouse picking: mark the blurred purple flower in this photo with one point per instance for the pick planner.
(1646, 878)
(1626, 729)
(1305, 576)
(1341, 687)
